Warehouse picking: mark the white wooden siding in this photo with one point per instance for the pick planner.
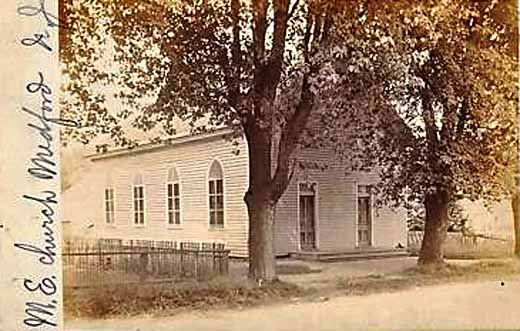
(335, 226)
(389, 227)
(82, 208)
(336, 199)
(191, 161)
(337, 210)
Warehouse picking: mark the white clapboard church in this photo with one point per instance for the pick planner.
(192, 189)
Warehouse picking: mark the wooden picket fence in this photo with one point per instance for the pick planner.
(116, 261)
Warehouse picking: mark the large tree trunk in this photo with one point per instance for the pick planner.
(262, 260)
(261, 207)
(264, 188)
(516, 220)
(435, 231)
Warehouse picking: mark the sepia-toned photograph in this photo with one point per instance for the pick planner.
(289, 165)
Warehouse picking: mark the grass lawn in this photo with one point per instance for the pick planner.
(170, 298)
(414, 277)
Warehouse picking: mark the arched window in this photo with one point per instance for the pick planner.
(138, 197)
(216, 195)
(109, 201)
(173, 197)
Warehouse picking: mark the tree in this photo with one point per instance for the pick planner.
(266, 68)
(516, 217)
(402, 86)
(453, 133)
(458, 220)
(514, 207)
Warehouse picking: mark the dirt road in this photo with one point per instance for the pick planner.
(482, 305)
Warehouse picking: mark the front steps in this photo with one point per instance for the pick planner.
(349, 255)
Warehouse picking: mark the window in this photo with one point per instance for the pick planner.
(364, 215)
(216, 195)
(365, 190)
(138, 195)
(307, 208)
(173, 197)
(109, 206)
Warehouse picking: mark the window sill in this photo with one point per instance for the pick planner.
(139, 226)
(216, 227)
(174, 227)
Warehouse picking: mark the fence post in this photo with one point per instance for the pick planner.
(182, 258)
(143, 263)
(101, 263)
(227, 263)
(213, 252)
(197, 264)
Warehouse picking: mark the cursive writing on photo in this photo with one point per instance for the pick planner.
(41, 288)
(38, 9)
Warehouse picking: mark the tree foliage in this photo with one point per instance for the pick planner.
(270, 69)
(446, 127)
(453, 124)
(162, 60)
(426, 92)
